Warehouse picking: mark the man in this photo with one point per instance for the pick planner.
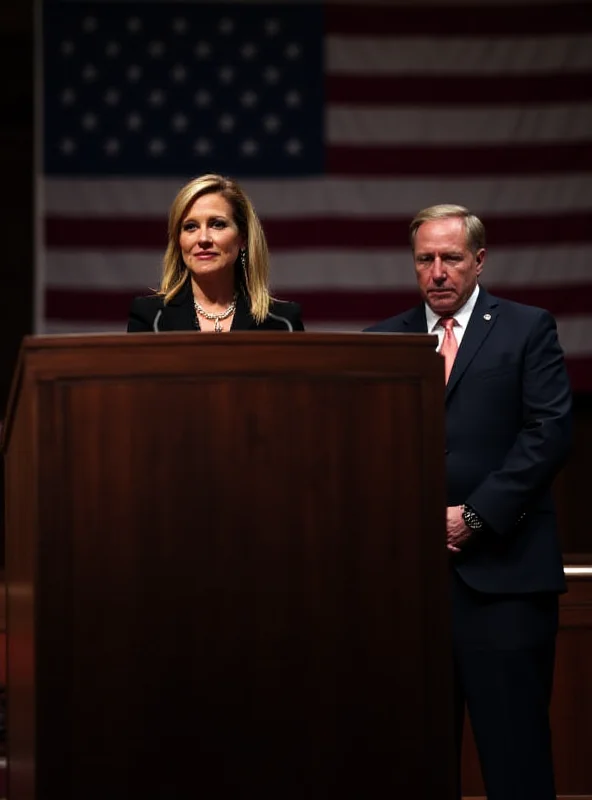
(508, 428)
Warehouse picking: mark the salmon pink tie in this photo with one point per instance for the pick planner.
(449, 346)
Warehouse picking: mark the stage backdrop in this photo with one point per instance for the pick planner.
(341, 121)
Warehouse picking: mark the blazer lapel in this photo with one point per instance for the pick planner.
(179, 314)
(480, 325)
(242, 320)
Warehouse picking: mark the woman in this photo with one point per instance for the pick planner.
(215, 269)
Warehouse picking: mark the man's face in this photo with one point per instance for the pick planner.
(446, 269)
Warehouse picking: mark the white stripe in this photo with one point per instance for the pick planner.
(471, 125)
(575, 333)
(306, 197)
(443, 57)
(331, 269)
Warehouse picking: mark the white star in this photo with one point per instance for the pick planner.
(293, 147)
(180, 25)
(226, 25)
(134, 24)
(272, 123)
(202, 98)
(113, 49)
(112, 147)
(134, 121)
(134, 73)
(249, 99)
(202, 50)
(67, 48)
(156, 49)
(271, 74)
(68, 97)
(226, 123)
(293, 99)
(89, 73)
(272, 26)
(178, 73)
(156, 147)
(111, 97)
(67, 146)
(293, 51)
(179, 122)
(202, 146)
(89, 121)
(249, 147)
(226, 75)
(89, 24)
(248, 51)
(156, 97)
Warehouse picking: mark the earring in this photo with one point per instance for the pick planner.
(243, 258)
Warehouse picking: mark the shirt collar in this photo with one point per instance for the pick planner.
(462, 316)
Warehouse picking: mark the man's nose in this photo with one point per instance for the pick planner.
(438, 269)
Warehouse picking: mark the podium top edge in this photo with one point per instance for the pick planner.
(250, 338)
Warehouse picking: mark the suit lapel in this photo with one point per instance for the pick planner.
(415, 320)
(480, 325)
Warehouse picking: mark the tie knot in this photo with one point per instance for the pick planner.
(447, 323)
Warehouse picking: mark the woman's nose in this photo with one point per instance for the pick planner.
(204, 237)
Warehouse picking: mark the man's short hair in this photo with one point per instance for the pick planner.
(474, 228)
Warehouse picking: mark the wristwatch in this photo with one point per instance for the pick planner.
(471, 519)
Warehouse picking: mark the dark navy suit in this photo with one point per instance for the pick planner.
(508, 430)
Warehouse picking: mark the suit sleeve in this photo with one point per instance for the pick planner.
(543, 442)
(141, 316)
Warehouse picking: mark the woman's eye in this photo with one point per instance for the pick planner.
(189, 226)
(219, 223)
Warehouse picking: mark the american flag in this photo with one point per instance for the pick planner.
(341, 121)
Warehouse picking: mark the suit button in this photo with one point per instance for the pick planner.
(446, 452)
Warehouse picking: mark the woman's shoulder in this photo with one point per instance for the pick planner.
(286, 310)
(143, 311)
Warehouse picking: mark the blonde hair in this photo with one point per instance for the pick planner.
(474, 228)
(253, 280)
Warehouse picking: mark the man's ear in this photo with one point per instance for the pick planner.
(480, 260)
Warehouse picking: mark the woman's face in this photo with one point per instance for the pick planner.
(209, 240)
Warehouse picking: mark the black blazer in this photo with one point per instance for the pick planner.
(508, 431)
(151, 314)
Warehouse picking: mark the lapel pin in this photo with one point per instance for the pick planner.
(487, 317)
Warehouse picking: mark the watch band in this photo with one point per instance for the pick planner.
(471, 519)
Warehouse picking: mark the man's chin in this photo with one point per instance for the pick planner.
(443, 304)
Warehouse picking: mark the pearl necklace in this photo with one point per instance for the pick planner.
(217, 318)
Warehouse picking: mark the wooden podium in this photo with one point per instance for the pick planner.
(226, 569)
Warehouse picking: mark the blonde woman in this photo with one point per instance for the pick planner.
(215, 274)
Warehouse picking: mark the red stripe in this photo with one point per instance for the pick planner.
(112, 307)
(334, 306)
(318, 233)
(580, 374)
(526, 159)
(443, 90)
(463, 20)
(323, 305)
